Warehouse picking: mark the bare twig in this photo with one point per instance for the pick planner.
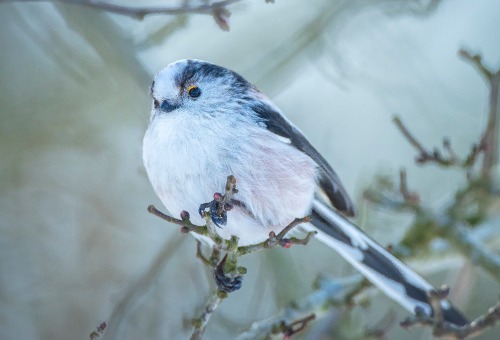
(297, 326)
(98, 331)
(489, 140)
(200, 324)
(280, 239)
(409, 196)
(440, 224)
(441, 328)
(184, 222)
(435, 156)
(488, 144)
(475, 59)
(217, 9)
(203, 259)
(328, 292)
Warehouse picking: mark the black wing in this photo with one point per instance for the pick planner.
(329, 182)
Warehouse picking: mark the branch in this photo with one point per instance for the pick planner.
(441, 328)
(473, 249)
(280, 239)
(328, 292)
(218, 208)
(439, 224)
(489, 140)
(227, 274)
(475, 60)
(96, 333)
(435, 156)
(200, 324)
(184, 222)
(217, 9)
(288, 330)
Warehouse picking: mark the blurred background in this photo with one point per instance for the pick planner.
(77, 245)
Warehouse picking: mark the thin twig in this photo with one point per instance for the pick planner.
(140, 12)
(185, 222)
(328, 292)
(409, 197)
(435, 156)
(200, 324)
(444, 225)
(489, 140)
(200, 255)
(441, 328)
(413, 141)
(475, 59)
(279, 239)
(96, 333)
(297, 326)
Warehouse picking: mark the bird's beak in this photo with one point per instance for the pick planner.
(168, 105)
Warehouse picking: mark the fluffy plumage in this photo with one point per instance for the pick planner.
(231, 128)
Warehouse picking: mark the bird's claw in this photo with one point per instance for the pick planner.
(226, 283)
(217, 210)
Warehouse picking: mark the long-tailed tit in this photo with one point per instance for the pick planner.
(208, 122)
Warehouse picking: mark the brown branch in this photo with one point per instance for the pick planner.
(475, 59)
(413, 141)
(410, 197)
(280, 239)
(184, 222)
(441, 328)
(435, 156)
(217, 9)
(489, 140)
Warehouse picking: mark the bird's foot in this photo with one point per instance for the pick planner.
(217, 208)
(226, 283)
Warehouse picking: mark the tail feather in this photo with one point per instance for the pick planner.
(385, 271)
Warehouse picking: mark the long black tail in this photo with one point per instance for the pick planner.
(385, 271)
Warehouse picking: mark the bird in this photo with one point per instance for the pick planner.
(208, 122)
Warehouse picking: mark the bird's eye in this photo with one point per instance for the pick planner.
(156, 103)
(194, 91)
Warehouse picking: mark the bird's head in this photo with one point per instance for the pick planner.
(198, 88)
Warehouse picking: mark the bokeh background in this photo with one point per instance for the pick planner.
(77, 245)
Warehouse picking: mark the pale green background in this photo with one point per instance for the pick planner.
(77, 246)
